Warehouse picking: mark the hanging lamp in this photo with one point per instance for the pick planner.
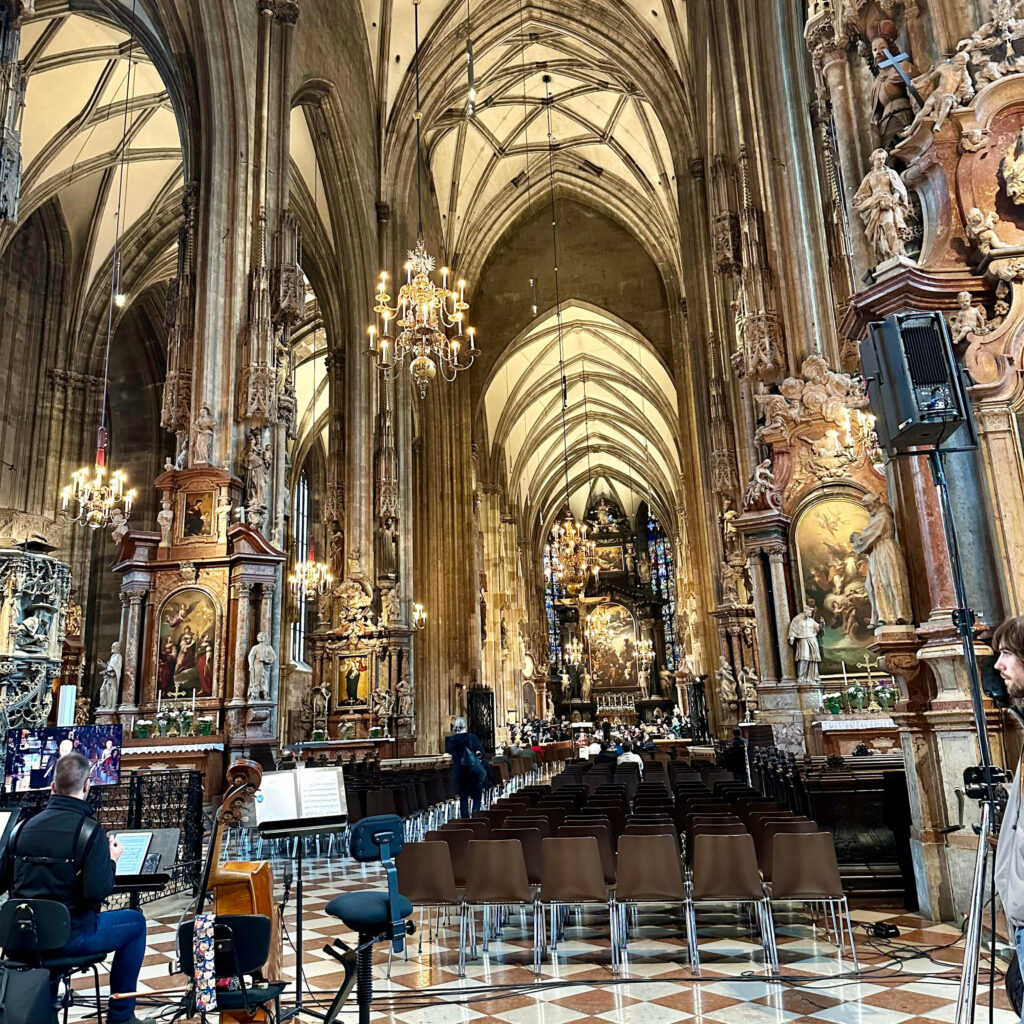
(430, 318)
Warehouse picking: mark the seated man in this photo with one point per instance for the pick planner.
(44, 860)
(628, 757)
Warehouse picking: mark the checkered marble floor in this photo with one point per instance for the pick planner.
(910, 980)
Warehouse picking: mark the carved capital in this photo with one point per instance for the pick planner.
(286, 11)
(776, 553)
(697, 168)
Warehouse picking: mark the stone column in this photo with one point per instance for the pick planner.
(783, 613)
(765, 653)
(242, 592)
(131, 646)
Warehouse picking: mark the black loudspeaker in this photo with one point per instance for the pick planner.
(914, 384)
(480, 712)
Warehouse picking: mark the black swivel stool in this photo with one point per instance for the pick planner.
(373, 916)
(30, 932)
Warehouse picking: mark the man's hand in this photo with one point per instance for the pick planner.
(116, 849)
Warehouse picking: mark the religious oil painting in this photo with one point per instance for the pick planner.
(354, 680)
(609, 558)
(612, 651)
(833, 581)
(188, 644)
(197, 514)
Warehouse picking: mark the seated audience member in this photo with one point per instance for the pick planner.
(628, 757)
(46, 859)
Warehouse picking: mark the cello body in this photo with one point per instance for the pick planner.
(243, 887)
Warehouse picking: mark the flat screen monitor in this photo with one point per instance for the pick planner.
(32, 754)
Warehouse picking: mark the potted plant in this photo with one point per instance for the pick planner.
(142, 728)
(204, 725)
(318, 735)
(163, 723)
(886, 697)
(833, 703)
(857, 695)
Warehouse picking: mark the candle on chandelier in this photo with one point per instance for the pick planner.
(462, 291)
(408, 273)
(444, 277)
(372, 331)
(472, 338)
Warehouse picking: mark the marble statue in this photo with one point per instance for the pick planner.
(884, 205)
(337, 546)
(586, 685)
(887, 585)
(891, 111)
(223, 517)
(383, 703)
(165, 520)
(666, 683)
(320, 697)
(403, 699)
(948, 85)
(120, 523)
(727, 521)
(111, 685)
(967, 319)
(761, 486)
(731, 579)
(257, 466)
(33, 632)
(261, 657)
(981, 230)
(181, 460)
(748, 684)
(726, 682)
(643, 679)
(387, 551)
(803, 632)
(202, 436)
(1013, 169)
(391, 607)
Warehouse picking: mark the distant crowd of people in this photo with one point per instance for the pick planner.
(533, 732)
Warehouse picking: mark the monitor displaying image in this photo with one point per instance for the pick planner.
(32, 754)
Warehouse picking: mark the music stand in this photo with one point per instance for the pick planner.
(300, 828)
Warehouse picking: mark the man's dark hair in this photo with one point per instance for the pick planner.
(1009, 637)
(71, 774)
(627, 747)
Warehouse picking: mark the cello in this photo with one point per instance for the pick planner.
(241, 887)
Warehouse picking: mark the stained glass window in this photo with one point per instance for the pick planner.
(300, 534)
(663, 575)
(552, 591)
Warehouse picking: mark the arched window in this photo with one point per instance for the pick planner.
(663, 583)
(300, 538)
(552, 591)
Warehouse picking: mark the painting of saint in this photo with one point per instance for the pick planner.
(609, 559)
(612, 652)
(187, 646)
(198, 514)
(355, 681)
(832, 578)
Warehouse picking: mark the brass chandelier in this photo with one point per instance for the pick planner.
(574, 652)
(92, 498)
(431, 317)
(599, 627)
(310, 579)
(644, 653)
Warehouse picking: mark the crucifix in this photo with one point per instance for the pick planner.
(867, 664)
(897, 63)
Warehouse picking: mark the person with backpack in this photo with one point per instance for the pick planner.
(63, 854)
(468, 766)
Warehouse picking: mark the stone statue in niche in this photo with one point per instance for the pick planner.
(803, 632)
(887, 585)
(404, 701)
(586, 685)
(1013, 169)
(946, 86)
(731, 577)
(727, 691)
(643, 679)
(111, 685)
(165, 520)
(223, 517)
(256, 461)
(981, 229)
(967, 319)
(202, 437)
(261, 658)
(891, 111)
(387, 551)
(748, 684)
(337, 546)
(884, 205)
(33, 632)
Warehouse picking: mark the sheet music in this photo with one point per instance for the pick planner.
(319, 792)
(134, 847)
(276, 798)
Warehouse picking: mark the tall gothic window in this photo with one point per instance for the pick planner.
(663, 578)
(300, 535)
(552, 591)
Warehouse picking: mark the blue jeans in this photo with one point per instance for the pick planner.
(123, 933)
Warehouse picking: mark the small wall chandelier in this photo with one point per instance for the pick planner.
(644, 654)
(311, 579)
(425, 311)
(419, 616)
(574, 652)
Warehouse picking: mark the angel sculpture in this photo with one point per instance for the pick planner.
(968, 319)
(776, 410)
(981, 229)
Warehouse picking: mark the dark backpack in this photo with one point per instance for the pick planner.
(471, 763)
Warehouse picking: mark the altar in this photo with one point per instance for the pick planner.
(378, 749)
(201, 753)
(841, 734)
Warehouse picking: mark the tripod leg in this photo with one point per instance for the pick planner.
(966, 1000)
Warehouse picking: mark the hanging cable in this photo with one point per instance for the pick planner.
(471, 105)
(417, 117)
(526, 133)
(115, 275)
(558, 302)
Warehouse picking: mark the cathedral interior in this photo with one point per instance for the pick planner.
(371, 364)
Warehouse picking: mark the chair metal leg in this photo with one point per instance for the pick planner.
(538, 935)
(691, 936)
(849, 930)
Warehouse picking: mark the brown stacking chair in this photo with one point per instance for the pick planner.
(804, 870)
(477, 826)
(496, 877)
(725, 871)
(768, 834)
(536, 821)
(649, 871)
(458, 839)
(556, 815)
(530, 838)
(426, 879)
(572, 875)
(604, 841)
